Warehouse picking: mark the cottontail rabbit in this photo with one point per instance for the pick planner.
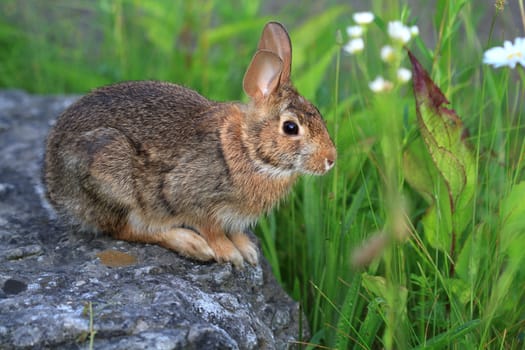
(155, 162)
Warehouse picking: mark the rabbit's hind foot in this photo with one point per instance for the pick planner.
(184, 241)
(187, 243)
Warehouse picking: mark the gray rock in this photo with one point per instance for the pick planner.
(50, 274)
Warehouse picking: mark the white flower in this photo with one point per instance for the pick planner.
(387, 53)
(379, 85)
(508, 55)
(399, 32)
(363, 17)
(414, 31)
(354, 31)
(354, 46)
(403, 75)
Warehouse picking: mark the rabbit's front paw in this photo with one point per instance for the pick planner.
(246, 247)
(225, 251)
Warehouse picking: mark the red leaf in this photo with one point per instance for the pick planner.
(429, 93)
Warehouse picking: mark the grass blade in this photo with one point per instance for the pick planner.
(442, 340)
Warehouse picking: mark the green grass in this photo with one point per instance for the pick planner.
(434, 277)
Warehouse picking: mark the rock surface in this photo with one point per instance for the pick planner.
(61, 289)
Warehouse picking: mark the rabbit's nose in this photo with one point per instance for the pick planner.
(328, 164)
(329, 159)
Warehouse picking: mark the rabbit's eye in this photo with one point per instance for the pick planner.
(290, 128)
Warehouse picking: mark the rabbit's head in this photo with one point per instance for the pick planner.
(284, 133)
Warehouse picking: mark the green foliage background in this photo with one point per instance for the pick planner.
(452, 279)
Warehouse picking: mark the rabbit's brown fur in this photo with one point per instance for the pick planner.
(158, 163)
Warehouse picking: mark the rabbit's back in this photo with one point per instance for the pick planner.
(160, 121)
(134, 105)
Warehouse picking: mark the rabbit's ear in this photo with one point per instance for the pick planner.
(262, 76)
(275, 38)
